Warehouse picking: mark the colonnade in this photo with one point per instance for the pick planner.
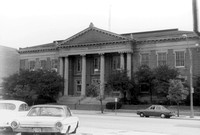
(64, 71)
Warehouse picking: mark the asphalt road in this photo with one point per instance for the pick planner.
(98, 124)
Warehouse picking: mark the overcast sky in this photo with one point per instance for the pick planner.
(25, 23)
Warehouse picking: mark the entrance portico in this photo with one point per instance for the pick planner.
(88, 72)
(110, 50)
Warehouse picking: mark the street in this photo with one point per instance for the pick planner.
(100, 124)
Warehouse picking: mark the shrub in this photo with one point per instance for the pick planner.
(111, 105)
(92, 91)
(40, 100)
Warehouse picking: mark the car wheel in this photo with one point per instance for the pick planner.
(141, 114)
(162, 115)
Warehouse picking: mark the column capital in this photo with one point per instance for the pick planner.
(123, 52)
(83, 55)
(101, 53)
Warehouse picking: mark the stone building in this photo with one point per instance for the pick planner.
(92, 54)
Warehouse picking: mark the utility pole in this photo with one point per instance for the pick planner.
(190, 76)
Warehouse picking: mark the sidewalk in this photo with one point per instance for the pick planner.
(125, 113)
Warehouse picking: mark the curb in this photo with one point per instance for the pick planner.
(126, 114)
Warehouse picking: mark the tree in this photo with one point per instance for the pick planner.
(92, 90)
(119, 81)
(27, 84)
(144, 78)
(196, 94)
(162, 76)
(177, 92)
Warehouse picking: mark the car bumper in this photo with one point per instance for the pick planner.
(37, 130)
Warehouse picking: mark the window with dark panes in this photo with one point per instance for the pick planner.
(96, 63)
(145, 59)
(78, 85)
(162, 58)
(22, 64)
(43, 64)
(78, 65)
(116, 62)
(54, 64)
(32, 65)
(180, 58)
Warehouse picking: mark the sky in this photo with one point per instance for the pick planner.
(25, 23)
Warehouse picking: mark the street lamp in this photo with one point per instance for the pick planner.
(191, 80)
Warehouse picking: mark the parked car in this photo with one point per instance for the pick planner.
(54, 119)
(9, 109)
(156, 110)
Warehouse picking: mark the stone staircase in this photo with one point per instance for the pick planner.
(70, 101)
(95, 101)
(84, 103)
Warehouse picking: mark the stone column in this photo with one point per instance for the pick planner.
(61, 66)
(66, 76)
(83, 77)
(128, 65)
(122, 61)
(102, 75)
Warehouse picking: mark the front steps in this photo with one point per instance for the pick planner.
(84, 103)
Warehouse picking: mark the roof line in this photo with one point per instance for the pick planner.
(165, 30)
(91, 27)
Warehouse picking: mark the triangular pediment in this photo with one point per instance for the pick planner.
(93, 35)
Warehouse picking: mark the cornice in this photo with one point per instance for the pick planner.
(36, 50)
(91, 44)
(161, 40)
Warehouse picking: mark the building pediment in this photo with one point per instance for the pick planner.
(92, 35)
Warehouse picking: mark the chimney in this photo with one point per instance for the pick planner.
(195, 17)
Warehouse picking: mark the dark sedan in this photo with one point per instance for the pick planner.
(156, 110)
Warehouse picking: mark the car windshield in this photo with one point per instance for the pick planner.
(7, 106)
(47, 111)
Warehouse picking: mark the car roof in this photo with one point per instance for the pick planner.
(157, 105)
(49, 105)
(12, 101)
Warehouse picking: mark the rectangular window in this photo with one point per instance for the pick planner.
(180, 58)
(116, 63)
(54, 64)
(78, 65)
(145, 59)
(78, 85)
(22, 64)
(162, 58)
(43, 64)
(96, 63)
(32, 65)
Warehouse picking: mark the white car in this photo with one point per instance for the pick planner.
(10, 109)
(54, 119)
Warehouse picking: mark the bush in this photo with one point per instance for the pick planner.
(111, 105)
(91, 91)
(40, 100)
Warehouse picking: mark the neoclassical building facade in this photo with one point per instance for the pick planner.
(91, 55)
